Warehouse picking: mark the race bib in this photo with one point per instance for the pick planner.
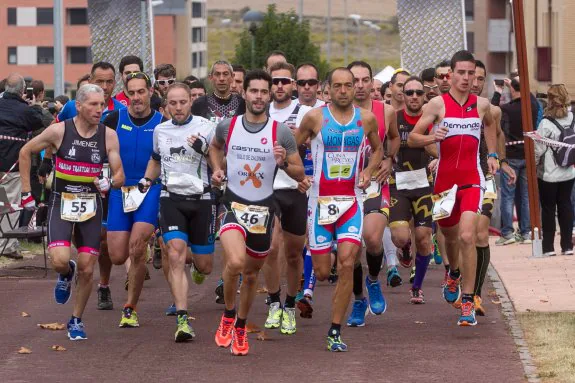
(411, 180)
(331, 208)
(106, 173)
(253, 218)
(490, 188)
(77, 207)
(443, 203)
(372, 191)
(184, 184)
(132, 198)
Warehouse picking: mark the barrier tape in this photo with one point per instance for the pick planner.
(547, 141)
(10, 138)
(510, 143)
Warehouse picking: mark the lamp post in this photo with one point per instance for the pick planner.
(253, 19)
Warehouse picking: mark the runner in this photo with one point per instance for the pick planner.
(81, 145)
(396, 87)
(458, 115)
(307, 80)
(133, 64)
(429, 86)
(238, 82)
(256, 146)
(198, 90)
(443, 72)
(375, 204)
(187, 210)
(337, 132)
(274, 57)
(132, 217)
(165, 75)
(376, 92)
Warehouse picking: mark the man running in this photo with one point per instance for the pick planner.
(132, 217)
(307, 80)
(376, 93)
(132, 64)
(238, 82)
(429, 85)
(375, 202)
(337, 132)
(165, 75)
(81, 145)
(458, 116)
(256, 146)
(443, 72)
(187, 210)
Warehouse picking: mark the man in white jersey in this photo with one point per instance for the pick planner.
(187, 210)
(255, 147)
(307, 80)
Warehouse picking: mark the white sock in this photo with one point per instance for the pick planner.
(389, 249)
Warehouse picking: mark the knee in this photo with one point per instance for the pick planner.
(137, 248)
(321, 274)
(423, 242)
(250, 278)
(483, 237)
(400, 241)
(345, 264)
(176, 255)
(60, 264)
(293, 259)
(86, 271)
(235, 265)
(467, 237)
(372, 241)
(203, 265)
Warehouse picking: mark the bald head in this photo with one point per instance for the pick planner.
(15, 84)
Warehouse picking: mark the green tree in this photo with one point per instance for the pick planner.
(279, 31)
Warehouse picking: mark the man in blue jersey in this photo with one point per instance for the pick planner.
(132, 216)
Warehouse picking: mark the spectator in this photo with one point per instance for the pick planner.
(38, 96)
(238, 82)
(17, 120)
(555, 182)
(190, 80)
(165, 75)
(197, 90)
(60, 101)
(2, 86)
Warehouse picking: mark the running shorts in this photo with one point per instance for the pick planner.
(147, 212)
(408, 204)
(466, 199)
(293, 210)
(379, 204)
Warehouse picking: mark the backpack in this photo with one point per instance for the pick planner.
(565, 156)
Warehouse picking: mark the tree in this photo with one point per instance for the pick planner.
(279, 31)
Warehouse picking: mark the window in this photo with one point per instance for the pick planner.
(12, 56)
(77, 16)
(197, 9)
(12, 16)
(195, 60)
(79, 55)
(197, 35)
(471, 42)
(44, 16)
(45, 55)
(202, 58)
(469, 14)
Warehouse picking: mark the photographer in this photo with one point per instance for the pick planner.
(37, 102)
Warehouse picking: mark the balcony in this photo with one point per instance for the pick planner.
(498, 38)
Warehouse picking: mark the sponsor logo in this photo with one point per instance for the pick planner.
(126, 127)
(248, 149)
(472, 125)
(350, 140)
(321, 239)
(173, 228)
(252, 175)
(359, 123)
(96, 158)
(85, 144)
(264, 141)
(353, 229)
(72, 152)
(471, 107)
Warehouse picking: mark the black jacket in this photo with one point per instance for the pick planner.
(512, 126)
(17, 119)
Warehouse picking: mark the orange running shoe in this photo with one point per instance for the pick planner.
(224, 332)
(479, 310)
(467, 317)
(240, 344)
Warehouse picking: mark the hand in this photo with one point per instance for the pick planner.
(509, 172)
(218, 178)
(441, 133)
(279, 153)
(144, 184)
(103, 184)
(433, 165)
(198, 143)
(304, 185)
(27, 201)
(384, 171)
(364, 180)
(493, 165)
(498, 88)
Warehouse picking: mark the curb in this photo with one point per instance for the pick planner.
(508, 312)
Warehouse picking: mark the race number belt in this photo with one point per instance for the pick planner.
(443, 203)
(77, 207)
(132, 198)
(253, 218)
(332, 208)
(374, 190)
(411, 180)
(490, 188)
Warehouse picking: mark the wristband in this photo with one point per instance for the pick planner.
(504, 161)
(493, 155)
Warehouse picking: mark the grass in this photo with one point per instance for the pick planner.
(551, 341)
(34, 248)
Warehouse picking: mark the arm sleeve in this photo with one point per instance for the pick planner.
(221, 134)
(496, 99)
(286, 139)
(111, 120)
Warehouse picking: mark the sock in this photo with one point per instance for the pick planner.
(181, 312)
(389, 249)
(358, 281)
(334, 330)
(230, 313)
(446, 266)
(454, 274)
(101, 286)
(466, 297)
(483, 259)
(421, 263)
(275, 297)
(240, 323)
(127, 305)
(290, 302)
(374, 262)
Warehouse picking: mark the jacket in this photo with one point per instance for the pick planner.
(547, 168)
(19, 120)
(512, 126)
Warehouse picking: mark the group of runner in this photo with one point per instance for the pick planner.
(266, 171)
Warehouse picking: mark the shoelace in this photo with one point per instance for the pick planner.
(62, 285)
(104, 294)
(240, 336)
(451, 285)
(76, 326)
(225, 327)
(466, 308)
(128, 312)
(357, 308)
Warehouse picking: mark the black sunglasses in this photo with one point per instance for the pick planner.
(281, 80)
(411, 92)
(310, 82)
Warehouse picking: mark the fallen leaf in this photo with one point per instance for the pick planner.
(58, 348)
(52, 326)
(495, 302)
(419, 322)
(262, 336)
(192, 318)
(492, 293)
(262, 290)
(543, 300)
(24, 350)
(24, 314)
(252, 328)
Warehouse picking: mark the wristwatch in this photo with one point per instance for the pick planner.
(504, 161)
(284, 165)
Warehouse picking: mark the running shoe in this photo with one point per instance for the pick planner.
(436, 253)
(508, 240)
(523, 239)
(220, 292)
(185, 331)
(288, 325)
(171, 311)
(335, 344)
(567, 252)
(157, 257)
(76, 330)
(406, 260)
(357, 316)
(63, 290)
(129, 318)
(457, 303)
(467, 317)
(105, 299)
(417, 297)
(452, 290)
(393, 277)
(377, 303)
(197, 277)
(274, 316)
(239, 345)
(479, 309)
(305, 306)
(445, 277)
(412, 275)
(224, 332)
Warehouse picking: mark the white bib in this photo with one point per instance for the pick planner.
(490, 188)
(443, 203)
(372, 191)
(184, 184)
(78, 207)
(411, 180)
(132, 198)
(253, 218)
(331, 208)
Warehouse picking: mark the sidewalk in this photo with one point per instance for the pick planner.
(535, 284)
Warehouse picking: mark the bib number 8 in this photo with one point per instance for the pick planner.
(332, 209)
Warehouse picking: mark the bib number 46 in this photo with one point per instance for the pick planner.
(252, 219)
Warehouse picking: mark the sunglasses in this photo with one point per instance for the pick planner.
(166, 82)
(443, 76)
(310, 82)
(282, 80)
(411, 92)
(431, 87)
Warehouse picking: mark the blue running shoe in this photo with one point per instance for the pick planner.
(452, 289)
(467, 317)
(171, 311)
(335, 344)
(76, 330)
(357, 316)
(436, 254)
(63, 289)
(377, 303)
(393, 277)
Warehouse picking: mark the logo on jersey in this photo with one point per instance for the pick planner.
(179, 154)
(252, 175)
(264, 141)
(471, 107)
(353, 229)
(96, 158)
(126, 127)
(72, 152)
(321, 238)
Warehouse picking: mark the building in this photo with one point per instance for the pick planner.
(27, 43)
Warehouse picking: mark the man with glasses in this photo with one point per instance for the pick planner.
(133, 64)
(307, 80)
(429, 86)
(396, 87)
(165, 75)
(442, 76)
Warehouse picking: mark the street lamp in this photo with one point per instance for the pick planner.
(253, 19)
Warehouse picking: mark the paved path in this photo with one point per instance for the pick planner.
(390, 348)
